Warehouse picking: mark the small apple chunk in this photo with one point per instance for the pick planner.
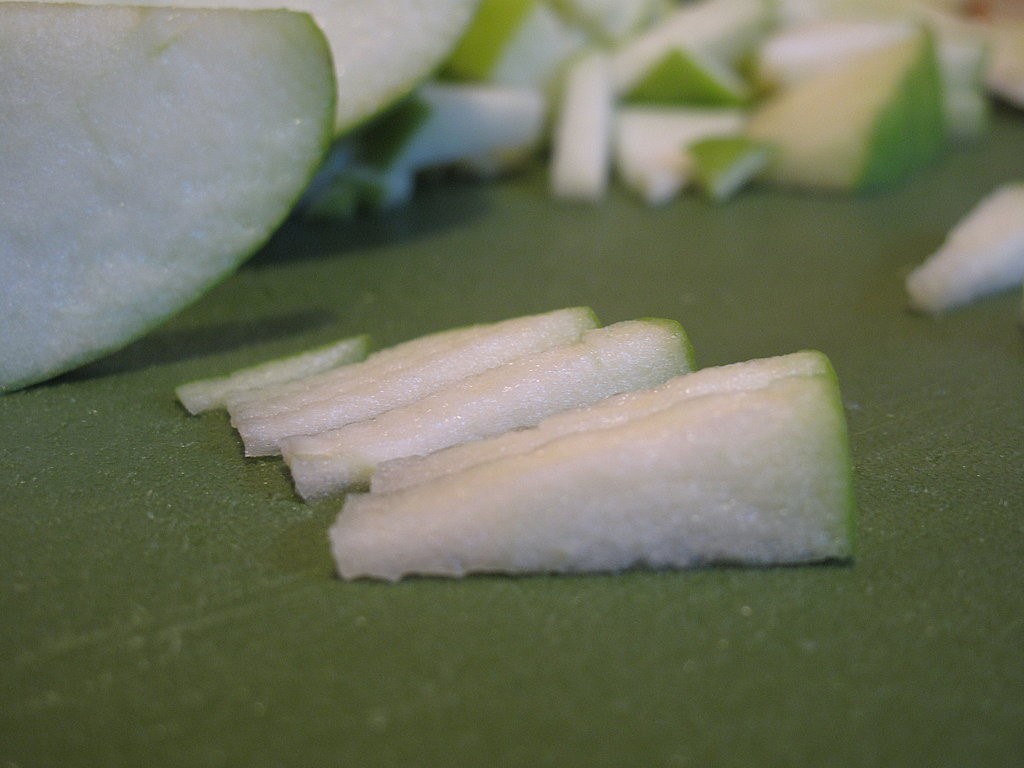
(757, 476)
(983, 254)
(865, 124)
(146, 152)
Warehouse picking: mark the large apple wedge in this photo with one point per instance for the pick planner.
(381, 49)
(757, 475)
(145, 153)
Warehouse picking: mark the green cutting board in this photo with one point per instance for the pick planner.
(168, 602)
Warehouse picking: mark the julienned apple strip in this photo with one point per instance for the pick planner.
(208, 394)
(367, 396)
(758, 476)
(294, 395)
(634, 354)
(612, 412)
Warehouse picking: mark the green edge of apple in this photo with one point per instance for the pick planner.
(910, 132)
(482, 42)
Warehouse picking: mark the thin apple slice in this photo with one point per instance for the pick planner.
(635, 354)
(983, 254)
(295, 395)
(145, 154)
(371, 395)
(612, 412)
(868, 123)
(751, 477)
(208, 394)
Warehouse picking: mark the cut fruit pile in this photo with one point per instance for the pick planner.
(817, 95)
(548, 443)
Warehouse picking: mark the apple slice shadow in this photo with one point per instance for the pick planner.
(437, 207)
(172, 345)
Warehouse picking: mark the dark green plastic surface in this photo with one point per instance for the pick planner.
(166, 602)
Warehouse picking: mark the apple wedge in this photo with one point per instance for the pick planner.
(865, 124)
(634, 354)
(759, 476)
(381, 50)
(983, 254)
(614, 411)
(146, 152)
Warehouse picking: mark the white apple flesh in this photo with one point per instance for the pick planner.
(381, 49)
(752, 374)
(631, 355)
(145, 154)
(374, 394)
(208, 394)
(751, 477)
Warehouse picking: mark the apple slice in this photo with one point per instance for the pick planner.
(368, 395)
(634, 354)
(381, 50)
(145, 154)
(208, 394)
(758, 476)
(983, 254)
(868, 123)
(614, 411)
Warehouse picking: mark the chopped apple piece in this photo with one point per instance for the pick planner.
(868, 123)
(753, 374)
(724, 29)
(650, 146)
(723, 165)
(758, 476)
(685, 79)
(613, 20)
(581, 148)
(365, 396)
(625, 356)
(208, 394)
(515, 42)
(983, 254)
